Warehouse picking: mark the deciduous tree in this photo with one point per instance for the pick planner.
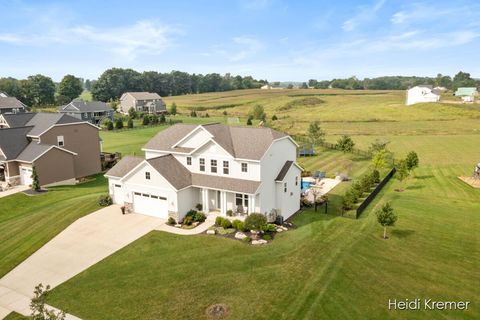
(386, 217)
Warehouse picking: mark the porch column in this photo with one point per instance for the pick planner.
(206, 207)
(251, 201)
(223, 203)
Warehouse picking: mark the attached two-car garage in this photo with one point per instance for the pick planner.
(150, 204)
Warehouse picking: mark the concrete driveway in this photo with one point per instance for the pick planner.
(81, 245)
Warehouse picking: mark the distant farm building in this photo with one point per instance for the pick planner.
(421, 94)
(466, 93)
(269, 86)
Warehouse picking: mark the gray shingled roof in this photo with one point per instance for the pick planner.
(284, 170)
(223, 183)
(144, 95)
(43, 121)
(15, 120)
(124, 166)
(10, 102)
(172, 170)
(240, 142)
(13, 141)
(90, 106)
(32, 151)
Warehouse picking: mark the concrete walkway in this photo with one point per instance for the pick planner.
(187, 232)
(81, 245)
(13, 190)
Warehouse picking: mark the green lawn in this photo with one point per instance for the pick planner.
(329, 267)
(28, 222)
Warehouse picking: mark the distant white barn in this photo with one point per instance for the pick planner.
(423, 93)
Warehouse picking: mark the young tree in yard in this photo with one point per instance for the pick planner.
(173, 109)
(411, 160)
(315, 133)
(109, 125)
(386, 217)
(258, 112)
(345, 144)
(146, 120)
(70, 87)
(132, 113)
(37, 305)
(130, 123)
(402, 171)
(35, 181)
(381, 158)
(119, 123)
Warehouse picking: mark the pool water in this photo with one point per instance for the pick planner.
(306, 185)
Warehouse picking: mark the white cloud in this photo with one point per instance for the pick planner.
(127, 42)
(364, 14)
(248, 47)
(423, 12)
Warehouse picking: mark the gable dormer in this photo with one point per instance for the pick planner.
(194, 139)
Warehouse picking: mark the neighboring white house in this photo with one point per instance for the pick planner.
(466, 93)
(224, 168)
(423, 93)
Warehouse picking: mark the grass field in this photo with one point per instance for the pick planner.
(330, 267)
(28, 222)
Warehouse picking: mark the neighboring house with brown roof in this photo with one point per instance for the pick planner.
(238, 169)
(146, 102)
(60, 147)
(92, 111)
(11, 104)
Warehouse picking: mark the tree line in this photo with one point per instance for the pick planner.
(114, 82)
(461, 79)
(40, 90)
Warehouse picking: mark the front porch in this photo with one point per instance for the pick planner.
(228, 204)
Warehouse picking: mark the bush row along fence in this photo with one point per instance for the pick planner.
(374, 193)
(141, 126)
(305, 142)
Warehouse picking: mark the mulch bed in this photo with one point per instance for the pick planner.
(31, 192)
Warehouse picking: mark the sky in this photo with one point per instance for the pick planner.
(277, 40)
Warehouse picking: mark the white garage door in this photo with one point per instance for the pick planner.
(25, 176)
(150, 204)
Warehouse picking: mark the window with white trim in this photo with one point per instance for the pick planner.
(147, 175)
(202, 164)
(241, 199)
(60, 141)
(189, 161)
(244, 167)
(285, 187)
(213, 166)
(296, 180)
(226, 168)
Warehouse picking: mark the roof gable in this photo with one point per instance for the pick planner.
(142, 95)
(240, 142)
(86, 106)
(13, 141)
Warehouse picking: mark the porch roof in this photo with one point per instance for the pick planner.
(224, 183)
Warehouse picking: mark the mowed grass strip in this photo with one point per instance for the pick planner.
(28, 222)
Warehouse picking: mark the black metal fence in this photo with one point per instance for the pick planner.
(373, 194)
(305, 142)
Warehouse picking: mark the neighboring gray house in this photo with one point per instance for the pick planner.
(11, 104)
(93, 111)
(142, 102)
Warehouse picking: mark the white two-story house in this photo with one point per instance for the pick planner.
(242, 169)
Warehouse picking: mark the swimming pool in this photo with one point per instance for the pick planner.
(306, 185)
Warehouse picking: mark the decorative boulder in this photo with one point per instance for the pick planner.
(260, 241)
(240, 235)
(211, 231)
(178, 225)
(279, 229)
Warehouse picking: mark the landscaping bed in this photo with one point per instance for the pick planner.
(254, 230)
(192, 219)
